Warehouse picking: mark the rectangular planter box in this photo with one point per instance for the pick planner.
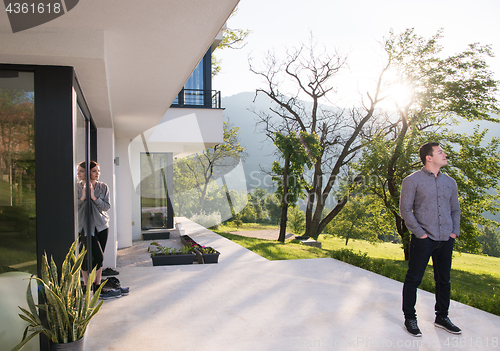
(207, 257)
(155, 234)
(166, 260)
(185, 239)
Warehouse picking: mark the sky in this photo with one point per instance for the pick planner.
(354, 28)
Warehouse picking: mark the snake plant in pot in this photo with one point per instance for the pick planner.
(67, 309)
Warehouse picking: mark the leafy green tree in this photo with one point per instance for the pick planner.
(257, 200)
(17, 143)
(231, 39)
(184, 191)
(273, 208)
(296, 220)
(248, 214)
(490, 241)
(198, 171)
(311, 72)
(299, 152)
(440, 93)
(361, 218)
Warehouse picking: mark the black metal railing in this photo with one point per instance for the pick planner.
(198, 98)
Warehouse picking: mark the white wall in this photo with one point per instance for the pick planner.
(105, 157)
(183, 131)
(123, 194)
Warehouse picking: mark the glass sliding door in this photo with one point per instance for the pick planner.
(156, 209)
(17, 172)
(81, 155)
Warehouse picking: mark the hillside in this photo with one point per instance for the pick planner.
(260, 151)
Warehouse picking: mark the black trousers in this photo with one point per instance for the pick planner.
(420, 252)
(99, 240)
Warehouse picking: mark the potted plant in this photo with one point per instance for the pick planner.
(206, 254)
(185, 239)
(153, 246)
(67, 309)
(170, 256)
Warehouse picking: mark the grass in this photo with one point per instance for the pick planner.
(231, 227)
(17, 248)
(475, 278)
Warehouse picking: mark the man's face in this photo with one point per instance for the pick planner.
(438, 157)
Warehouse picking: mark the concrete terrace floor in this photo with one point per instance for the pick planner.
(246, 302)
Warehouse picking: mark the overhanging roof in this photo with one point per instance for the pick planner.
(131, 57)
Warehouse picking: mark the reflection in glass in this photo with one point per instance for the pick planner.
(79, 147)
(154, 194)
(17, 172)
(193, 93)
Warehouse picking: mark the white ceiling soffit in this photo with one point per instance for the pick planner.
(131, 57)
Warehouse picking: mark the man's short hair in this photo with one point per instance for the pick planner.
(426, 150)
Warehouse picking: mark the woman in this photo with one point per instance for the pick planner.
(99, 219)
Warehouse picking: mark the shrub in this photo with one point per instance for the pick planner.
(207, 220)
(296, 220)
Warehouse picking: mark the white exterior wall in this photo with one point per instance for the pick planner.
(182, 131)
(123, 194)
(105, 157)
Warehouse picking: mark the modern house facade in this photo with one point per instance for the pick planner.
(124, 83)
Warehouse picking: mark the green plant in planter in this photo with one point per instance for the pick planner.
(165, 250)
(68, 310)
(186, 250)
(206, 250)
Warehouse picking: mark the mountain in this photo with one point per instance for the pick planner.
(260, 150)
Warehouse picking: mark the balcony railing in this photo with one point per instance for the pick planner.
(198, 98)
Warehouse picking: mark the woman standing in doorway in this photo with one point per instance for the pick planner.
(99, 220)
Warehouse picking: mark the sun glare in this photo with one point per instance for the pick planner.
(399, 94)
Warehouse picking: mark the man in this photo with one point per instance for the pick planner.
(431, 211)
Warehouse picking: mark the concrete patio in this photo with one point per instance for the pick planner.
(246, 302)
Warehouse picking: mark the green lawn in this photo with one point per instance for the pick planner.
(231, 227)
(475, 278)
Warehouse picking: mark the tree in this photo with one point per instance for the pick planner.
(17, 143)
(440, 93)
(273, 207)
(361, 218)
(490, 241)
(256, 199)
(296, 220)
(231, 39)
(196, 172)
(299, 151)
(341, 134)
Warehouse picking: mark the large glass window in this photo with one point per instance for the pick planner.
(80, 148)
(155, 205)
(17, 172)
(197, 90)
(194, 87)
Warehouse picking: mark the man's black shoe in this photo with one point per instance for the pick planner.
(110, 294)
(446, 324)
(412, 327)
(114, 283)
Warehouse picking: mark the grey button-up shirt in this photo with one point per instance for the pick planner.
(429, 205)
